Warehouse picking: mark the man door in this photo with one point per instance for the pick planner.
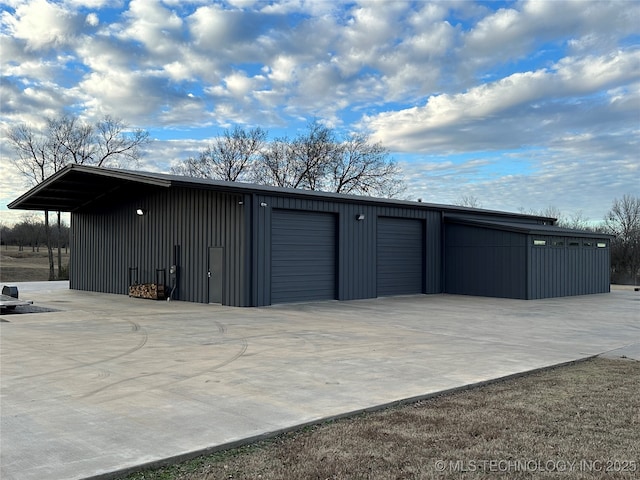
(215, 274)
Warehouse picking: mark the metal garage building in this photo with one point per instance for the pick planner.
(250, 245)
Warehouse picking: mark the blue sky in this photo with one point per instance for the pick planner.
(522, 105)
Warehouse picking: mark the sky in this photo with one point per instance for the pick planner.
(520, 105)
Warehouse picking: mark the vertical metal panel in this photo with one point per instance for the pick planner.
(356, 252)
(107, 243)
(485, 262)
(567, 266)
(434, 251)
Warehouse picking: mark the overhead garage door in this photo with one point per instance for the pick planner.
(303, 258)
(399, 256)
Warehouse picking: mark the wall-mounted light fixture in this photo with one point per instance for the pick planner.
(141, 211)
(240, 202)
(360, 216)
(263, 204)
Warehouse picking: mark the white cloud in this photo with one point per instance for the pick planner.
(242, 3)
(239, 84)
(42, 24)
(215, 28)
(95, 4)
(282, 70)
(93, 20)
(502, 102)
(511, 34)
(156, 27)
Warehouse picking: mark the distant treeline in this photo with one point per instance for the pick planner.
(30, 233)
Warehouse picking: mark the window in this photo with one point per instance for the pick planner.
(574, 244)
(601, 245)
(539, 242)
(558, 243)
(587, 244)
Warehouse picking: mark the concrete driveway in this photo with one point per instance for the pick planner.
(108, 382)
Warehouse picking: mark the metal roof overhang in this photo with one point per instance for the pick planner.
(526, 228)
(77, 187)
(80, 187)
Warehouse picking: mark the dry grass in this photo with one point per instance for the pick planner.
(27, 265)
(580, 421)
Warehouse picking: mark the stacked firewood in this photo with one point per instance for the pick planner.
(152, 291)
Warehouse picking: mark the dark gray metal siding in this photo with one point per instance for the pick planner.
(105, 244)
(400, 258)
(303, 256)
(567, 266)
(356, 244)
(485, 262)
(498, 263)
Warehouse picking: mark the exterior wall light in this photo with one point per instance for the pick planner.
(360, 216)
(141, 211)
(263, 204)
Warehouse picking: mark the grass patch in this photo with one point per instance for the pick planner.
(580, 421)
(27, 265)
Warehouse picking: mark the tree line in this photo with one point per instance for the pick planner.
(29, 233)
(316, 159)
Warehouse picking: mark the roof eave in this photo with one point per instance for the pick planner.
(22, 202)
(525, 229)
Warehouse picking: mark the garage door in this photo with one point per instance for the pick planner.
(399, 256)
(303, 259)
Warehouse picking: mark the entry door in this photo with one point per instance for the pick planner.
(216, 269)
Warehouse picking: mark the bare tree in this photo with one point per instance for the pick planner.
(230, 157)
(623, 221)
(277, 165)
(470, 201)
(314, 160)
(577, 221)
(362, 167)
(312, 154)
(318, 160)
(65, 140)
(298, 163)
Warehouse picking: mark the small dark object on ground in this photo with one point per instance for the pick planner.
(10, 291)
(9, 299)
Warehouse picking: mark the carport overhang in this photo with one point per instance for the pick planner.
(77, 187)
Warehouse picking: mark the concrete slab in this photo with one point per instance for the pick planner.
(109, 382)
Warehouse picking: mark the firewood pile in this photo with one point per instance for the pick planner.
(152, 291)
